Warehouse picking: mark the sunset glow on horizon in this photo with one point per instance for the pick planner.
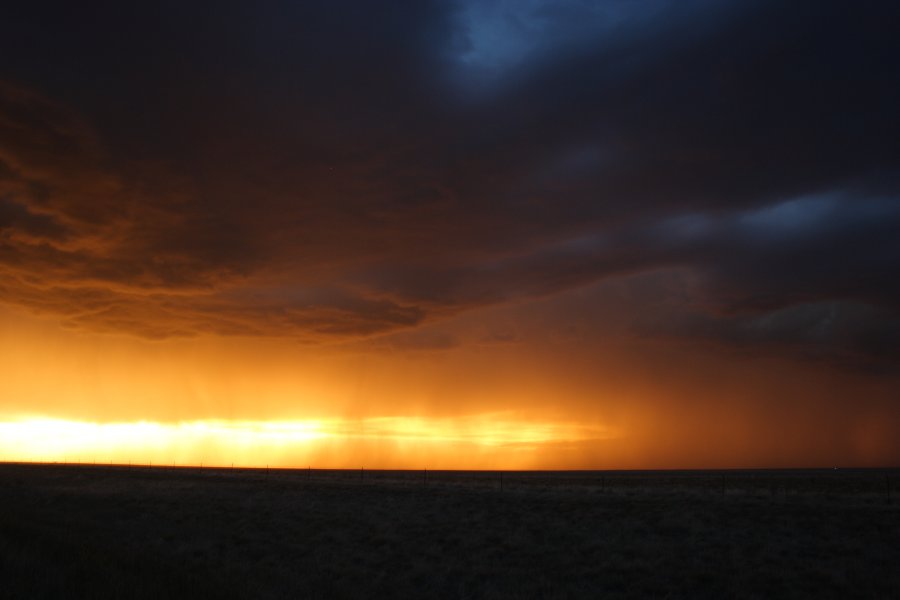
(487, 441)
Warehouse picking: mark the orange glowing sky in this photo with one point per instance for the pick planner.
(466, 235)
(554, 403)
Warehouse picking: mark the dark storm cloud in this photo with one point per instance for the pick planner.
(346, 169)
(118, 253)
(851, 334)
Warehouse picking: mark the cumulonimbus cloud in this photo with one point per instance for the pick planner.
(360, 186)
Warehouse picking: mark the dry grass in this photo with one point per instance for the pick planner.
(69, 532)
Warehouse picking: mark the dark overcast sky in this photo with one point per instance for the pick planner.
(356, 172)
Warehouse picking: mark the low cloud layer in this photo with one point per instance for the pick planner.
(343, 171)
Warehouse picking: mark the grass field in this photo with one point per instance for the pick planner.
(119, 532)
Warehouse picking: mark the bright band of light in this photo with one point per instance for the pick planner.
(483, 441)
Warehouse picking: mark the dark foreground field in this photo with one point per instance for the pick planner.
(114, 532)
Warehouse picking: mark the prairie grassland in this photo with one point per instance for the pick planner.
(117, 532)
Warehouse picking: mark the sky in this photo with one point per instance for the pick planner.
(529, 234)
